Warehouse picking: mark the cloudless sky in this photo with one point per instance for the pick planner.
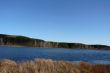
(81, 21)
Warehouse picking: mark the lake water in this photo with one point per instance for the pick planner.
(24, 53)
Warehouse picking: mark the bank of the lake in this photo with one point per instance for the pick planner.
(21, 41)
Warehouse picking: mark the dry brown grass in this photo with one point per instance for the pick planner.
(50, 66)
(38, 66)
(94, 68)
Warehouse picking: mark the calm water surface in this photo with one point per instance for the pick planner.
(22, 54)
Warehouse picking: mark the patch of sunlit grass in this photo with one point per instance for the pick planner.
(50, 66)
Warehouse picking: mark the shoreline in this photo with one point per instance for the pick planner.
(23, 41)
(18, 46)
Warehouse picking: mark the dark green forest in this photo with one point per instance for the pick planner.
(14, 40)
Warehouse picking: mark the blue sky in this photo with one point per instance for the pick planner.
(81, 21)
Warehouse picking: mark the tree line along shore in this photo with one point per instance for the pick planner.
(14, 40)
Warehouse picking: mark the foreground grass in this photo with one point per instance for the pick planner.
(94, 68)
(50, 66)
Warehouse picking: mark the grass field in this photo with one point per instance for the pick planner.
(50, 66)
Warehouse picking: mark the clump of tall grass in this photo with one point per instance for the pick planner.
(38, 66)
(50, 66)
(94, 68)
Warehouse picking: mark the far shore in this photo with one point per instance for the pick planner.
(19, 46)
(23, 41)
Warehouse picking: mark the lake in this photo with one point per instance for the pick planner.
(25, 53)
